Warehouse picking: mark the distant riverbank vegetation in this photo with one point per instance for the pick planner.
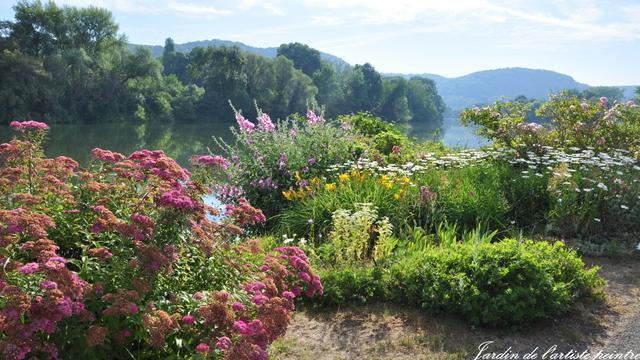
(71, 65)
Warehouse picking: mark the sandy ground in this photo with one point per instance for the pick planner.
(386, 331)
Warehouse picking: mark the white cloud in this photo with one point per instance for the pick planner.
(152, 7)
(195, 9)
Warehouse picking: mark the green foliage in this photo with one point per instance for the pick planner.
(304, 58)
(360, 235)
(508, 283)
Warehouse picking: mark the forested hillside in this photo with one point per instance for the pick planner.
(71, 65)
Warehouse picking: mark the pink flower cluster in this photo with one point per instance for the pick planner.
(244, 124)
(244, 214)
(28, 125)
(265, 123)
(313, 119)
(211, 160)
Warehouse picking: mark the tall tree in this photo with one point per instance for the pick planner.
(304, 58)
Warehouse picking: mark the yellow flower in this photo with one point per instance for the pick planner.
(330, 186)
(405, 180)
(344, 177)
(297, 176)
(289, 194)
(315, 181)
(397, 196)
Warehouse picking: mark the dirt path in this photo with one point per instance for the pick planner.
(387, 331)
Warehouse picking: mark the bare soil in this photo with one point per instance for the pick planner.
(386, 331)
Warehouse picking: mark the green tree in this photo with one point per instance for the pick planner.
(304, 58)
(395, 107)
(425, 104)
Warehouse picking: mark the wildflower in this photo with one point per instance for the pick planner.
(312, 118)
(311, 161)
(101, 253)
(224, 343)
(237, 306)
(29, 268)
(198, 296)
(188, 319)
(216, 160)
(602, 186)
(330, 186)
(282, 162)
(28, 125)
(96, 335)
(265, 123)
(343, 177)
(202, 348)
(624, 207)
(396, 149)
(48, 285)
(603, 101)
(596, 219)
(244, 124)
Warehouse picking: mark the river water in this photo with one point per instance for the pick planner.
(181, 141)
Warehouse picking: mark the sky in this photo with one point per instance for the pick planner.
(595, 41)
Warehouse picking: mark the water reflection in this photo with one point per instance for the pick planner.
(179, 141)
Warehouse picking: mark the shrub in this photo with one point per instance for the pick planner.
(571, 122)
(268, 159)
(506, 283)
(123, 259)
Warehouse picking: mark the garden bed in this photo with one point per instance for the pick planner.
(385, 331)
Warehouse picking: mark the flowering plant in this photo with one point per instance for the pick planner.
(125, 259)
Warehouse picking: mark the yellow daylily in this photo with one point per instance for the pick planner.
(330, 186)
(343, 177)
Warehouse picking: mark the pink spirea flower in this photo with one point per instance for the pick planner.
(224, 343)
(47, 285)
(29, 268)
(265, 123)
(245, 124)
(203, 348)
(177, 200)
(198, 296)
(188, 319)
(106, 155)
(312, 118)
(259, 299)
(237, 306)
(253, 328)
(28, 125)
(288, 295)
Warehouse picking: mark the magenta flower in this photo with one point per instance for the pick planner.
(288, 295)
(259, 299)
(47, 284)
(224, 343)
(28, 125)
(203, 348)
(188, 319)
(265, 123)
(29, 268)
(244, 124)
(215, 160)
(312, 118)
(237, 306)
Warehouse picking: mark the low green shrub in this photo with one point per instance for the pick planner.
(508, 283)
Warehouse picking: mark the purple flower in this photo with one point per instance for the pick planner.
(224, 343)
(288, 295)
(311, 161)
(264, 123)
(47, 284)
(283, 161)
(29, 268)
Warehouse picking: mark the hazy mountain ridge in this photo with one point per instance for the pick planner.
(481, 87)
(269, 52)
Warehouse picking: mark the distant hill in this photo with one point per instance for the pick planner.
(269, 52)
(482, 87)
(487, 86)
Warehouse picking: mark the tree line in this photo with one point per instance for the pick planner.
(71, 65)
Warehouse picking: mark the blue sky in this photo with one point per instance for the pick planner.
(596, 42)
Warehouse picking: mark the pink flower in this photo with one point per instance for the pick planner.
(215, 160)
(238, 306)
(188, 319)
(28, 125)
(288, 295)
(29, 268)
(264, 123)
(47, 284)
(312, 118)
(244, 124)
(224, 343)
(396, 149)
(198, 296)
(259, 299)
(282, 162)
(203, 348)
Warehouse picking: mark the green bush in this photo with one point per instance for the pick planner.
(507, 283)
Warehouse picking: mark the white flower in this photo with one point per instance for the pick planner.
(596, 219)
(602, 186)
(625, 207)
